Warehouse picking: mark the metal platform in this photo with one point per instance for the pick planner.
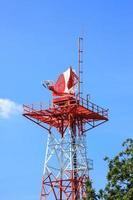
(58, 114)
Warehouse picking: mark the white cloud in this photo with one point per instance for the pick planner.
(9, 108)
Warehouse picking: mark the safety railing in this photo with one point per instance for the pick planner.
(86, 103)
(34, 107)
(93, 107)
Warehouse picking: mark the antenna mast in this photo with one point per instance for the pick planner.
(80, 65)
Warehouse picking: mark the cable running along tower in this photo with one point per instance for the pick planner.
(70, 116)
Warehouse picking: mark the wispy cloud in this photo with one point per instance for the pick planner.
(9, 108)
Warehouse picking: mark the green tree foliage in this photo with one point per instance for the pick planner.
(120, 175)
(91, 195)
(119, 178)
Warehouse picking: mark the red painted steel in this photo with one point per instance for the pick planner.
(64, 112)
(58, 115)
(68, 111)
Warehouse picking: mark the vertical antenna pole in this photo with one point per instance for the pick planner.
(80, 61)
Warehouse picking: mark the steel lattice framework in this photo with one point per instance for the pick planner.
(66, 167)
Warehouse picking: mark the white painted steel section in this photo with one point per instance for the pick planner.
(60, 154)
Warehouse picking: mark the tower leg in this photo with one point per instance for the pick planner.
(65, 167)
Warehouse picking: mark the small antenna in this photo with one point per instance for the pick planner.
(80, 65)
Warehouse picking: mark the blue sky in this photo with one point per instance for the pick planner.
(38, 41)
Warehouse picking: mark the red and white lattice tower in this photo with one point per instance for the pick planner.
(66, 166)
